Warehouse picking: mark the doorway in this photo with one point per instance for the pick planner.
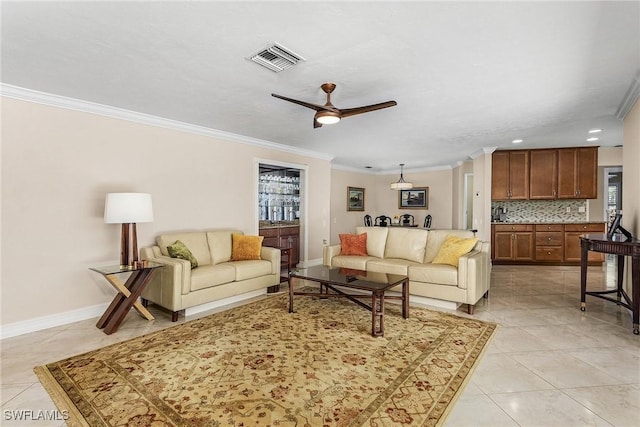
(613, 192)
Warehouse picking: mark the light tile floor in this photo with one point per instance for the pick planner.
(549, 364)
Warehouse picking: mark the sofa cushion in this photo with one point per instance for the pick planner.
(453, 248)
(353, 244)
(245, 248)
(351, 261)
(212, 275)
(390, 265)
(220, 244)
(195, 241)
(376, 239)
(250, 269)
(406, 243)
(439, 274)
(436, 238)
(180, 250)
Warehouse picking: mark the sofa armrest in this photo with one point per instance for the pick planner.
(328, 252)
(474, 272)
(171, 282)
(272, 255)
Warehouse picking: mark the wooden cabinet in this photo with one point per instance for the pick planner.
(549, 242)
(283, 237)
(543, 174)
(510, 175)
(572, 233)
(578, 173)
(558, 173)
(541, 243)
(512, 242)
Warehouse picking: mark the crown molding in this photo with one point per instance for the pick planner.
(44, 98)
(630, 98)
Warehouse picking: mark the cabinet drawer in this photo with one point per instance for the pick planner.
(290, 231)
(549, 227)
(550, 238)
(272, 242)
(585, 228)
(513, 227)
(549, 253)
(268, 232)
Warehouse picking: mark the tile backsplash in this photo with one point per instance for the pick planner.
(543, 210)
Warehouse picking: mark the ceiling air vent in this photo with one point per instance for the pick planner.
(276, 58)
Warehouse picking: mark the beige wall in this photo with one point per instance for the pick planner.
(341, 220)
(57, 166)
(631, 171)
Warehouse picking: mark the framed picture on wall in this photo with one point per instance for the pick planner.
(416, 198)
(355, 199)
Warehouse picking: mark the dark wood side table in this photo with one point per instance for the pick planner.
(128, 293)
(617, 245)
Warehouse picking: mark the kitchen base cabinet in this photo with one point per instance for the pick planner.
(555, 244)
(513, 242)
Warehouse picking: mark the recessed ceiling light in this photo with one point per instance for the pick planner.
(592, 139)
(516, 141)
(368, 167)
(595, 130)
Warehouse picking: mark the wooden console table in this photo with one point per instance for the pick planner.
(127, 296)
(615, 246)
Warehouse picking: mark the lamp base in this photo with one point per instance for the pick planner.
(128, 245)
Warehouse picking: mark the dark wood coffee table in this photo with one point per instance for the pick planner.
(331, 279)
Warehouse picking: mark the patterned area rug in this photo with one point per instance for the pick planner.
(258, 365)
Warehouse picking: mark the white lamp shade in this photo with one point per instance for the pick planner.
(401, 185)
(122, 208)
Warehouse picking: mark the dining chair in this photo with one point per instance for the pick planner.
(407, 220)
(383, 221)
(427, 221)
(368, 221)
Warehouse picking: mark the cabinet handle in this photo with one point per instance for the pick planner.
(548, 252)
(549, 238)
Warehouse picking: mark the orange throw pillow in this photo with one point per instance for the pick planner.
(245, 247)
(353, 244)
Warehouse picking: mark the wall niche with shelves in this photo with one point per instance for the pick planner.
(279, 193)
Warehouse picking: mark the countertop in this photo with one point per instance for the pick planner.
(547, 222)
(277, 224)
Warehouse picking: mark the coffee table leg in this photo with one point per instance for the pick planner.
(377, 315)
(290, 294)
(405, 299)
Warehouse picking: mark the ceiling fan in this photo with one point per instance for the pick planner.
(328, 114)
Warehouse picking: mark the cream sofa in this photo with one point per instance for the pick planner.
(409, 251)
(177, 287)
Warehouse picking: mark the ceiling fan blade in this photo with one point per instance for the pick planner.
(347, 112)
(306, 104)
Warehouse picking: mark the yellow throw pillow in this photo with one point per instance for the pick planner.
(453, 248)
(245, 247)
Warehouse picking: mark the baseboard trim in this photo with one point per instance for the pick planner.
(222, 302)
(51, 321)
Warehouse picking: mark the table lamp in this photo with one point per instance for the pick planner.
(128, 209)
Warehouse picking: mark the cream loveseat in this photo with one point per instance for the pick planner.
(178, 287)
(409, 251)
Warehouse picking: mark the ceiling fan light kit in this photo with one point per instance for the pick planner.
(401, 184)
(327, 114)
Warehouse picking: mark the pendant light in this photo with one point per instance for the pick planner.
(401, 184)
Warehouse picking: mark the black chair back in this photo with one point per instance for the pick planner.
(368, 221)
(383, 221)
(407, 219)
(427, 221)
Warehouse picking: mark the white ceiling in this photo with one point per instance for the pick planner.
(466, 75)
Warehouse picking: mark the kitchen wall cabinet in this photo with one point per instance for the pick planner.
(578, 173)
(510, 175)
(572, 233)
(543, 174)
(513, 242)
(558, 173)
